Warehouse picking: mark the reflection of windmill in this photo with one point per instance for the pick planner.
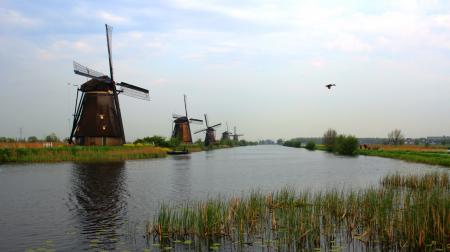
(226, 134)
(210, 136)
(98, 200)
(97, 117)
(236, 135)
(182, 128)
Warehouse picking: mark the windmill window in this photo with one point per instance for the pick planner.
(104, 127)
(101, 116)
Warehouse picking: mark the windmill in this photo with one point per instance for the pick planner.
(226, 134)
(97, 117)
(210, 136)
(182, 128)
(236, 135)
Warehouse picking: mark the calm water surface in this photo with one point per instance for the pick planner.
(72, 206)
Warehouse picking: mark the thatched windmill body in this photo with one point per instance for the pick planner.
(97, 116)
(182, 127)
(210, 136)
(236, 135)
(226, 135)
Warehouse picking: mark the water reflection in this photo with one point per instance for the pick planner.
(98, 193)
(181, 178)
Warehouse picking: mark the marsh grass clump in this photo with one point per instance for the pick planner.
(409, 212)
(424, 182)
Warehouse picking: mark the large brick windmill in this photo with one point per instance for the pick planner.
(97, 117)
(182, 127)
(210, 136)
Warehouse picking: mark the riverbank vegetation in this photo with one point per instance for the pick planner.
(331, 142)
(80, 153)
(404, 213)
(57, 151)
(426, 157)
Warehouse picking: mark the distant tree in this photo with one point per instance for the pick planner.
(396, 137)
(7, 140)
(280, 141)
(329, 139)
(199, 142)
(346, 145)
(293, 143)
(33, 139)
(311, 145)
(52, 138)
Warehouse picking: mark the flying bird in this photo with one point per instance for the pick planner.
(330, 85)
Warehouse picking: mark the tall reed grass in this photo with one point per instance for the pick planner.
(404, 213)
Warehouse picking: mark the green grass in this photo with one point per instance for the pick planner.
(404, 213)
(433, 158)
(79, 153)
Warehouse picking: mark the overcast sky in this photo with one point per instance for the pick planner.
(260, 65)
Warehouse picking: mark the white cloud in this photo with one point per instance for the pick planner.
(442, 21)
(15, 18)
(317, 63)
(348, 43)
(111, 18)
(161, 81)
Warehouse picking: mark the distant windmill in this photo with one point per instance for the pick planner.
(182, 128)
(236, 135)
(97, 116)
(226, 135)
(330, 85)
(210, 136)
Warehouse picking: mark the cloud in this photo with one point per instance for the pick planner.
(161, 81)
(111, 18)
(442, 21)
(317, 63)
(348, 43)
(65, 49)
(14, 18)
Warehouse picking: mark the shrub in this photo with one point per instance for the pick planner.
(346, 145)
(329, 139)
(158, 141)
(293, 143)
(311, 145)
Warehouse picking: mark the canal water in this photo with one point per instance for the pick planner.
(105, 206)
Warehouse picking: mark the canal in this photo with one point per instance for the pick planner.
(105, 206)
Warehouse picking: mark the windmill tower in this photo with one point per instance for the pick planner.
(182, 127)
(236, 135)
(226, 135)
(210, 136)
(97, 117)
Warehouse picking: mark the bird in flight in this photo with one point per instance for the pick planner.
(330, 85)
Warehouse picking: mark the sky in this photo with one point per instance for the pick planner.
(260, 65)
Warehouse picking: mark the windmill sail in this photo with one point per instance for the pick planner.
(109, 43)
(133, 91)
(86, 71)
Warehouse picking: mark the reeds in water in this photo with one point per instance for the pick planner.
(406, 212)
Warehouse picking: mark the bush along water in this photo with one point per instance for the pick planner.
(409, 213)
(310, 145)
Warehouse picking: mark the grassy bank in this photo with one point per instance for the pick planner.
(80, 153)
(427, 157)
(404, 213)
